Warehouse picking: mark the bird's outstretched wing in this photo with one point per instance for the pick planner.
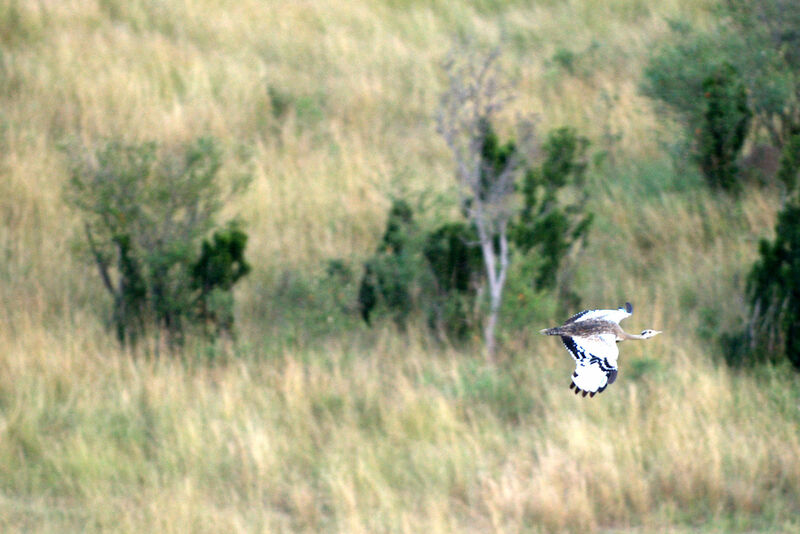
(607, 315)
(595, 362)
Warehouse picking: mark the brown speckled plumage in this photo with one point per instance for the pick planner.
(587, 328)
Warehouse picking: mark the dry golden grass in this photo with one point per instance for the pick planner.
(368, 431)
(402, 439)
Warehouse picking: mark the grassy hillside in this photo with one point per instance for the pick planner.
(311, 422)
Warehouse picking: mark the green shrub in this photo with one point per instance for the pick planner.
(389, 276)
(773, 286)
(724, 126)
(436, 273)
(220, 265)
(454, 258)
(698, 80)
(774, 292)
(456, 264)
(145, 213)
(564, 58)
(749, 59)
(675, 73)
(790, 163)
(546, 228)
(767, 55)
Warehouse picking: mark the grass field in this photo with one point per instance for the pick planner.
(312, 422)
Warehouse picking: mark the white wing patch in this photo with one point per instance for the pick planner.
(596, 362)
(603, 346)
(591, 379)
(607, 315)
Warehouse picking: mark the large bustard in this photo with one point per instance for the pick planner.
(591, 336)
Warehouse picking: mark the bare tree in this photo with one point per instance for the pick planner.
(476, 93)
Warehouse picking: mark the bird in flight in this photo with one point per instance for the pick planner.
(591, 336)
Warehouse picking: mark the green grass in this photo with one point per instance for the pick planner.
(311, 422)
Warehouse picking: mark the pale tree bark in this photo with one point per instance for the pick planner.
(496, 262)
(475, 95)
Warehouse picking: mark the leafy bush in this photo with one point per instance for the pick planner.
(546, 225)
(454, 258)
(145, 212)
(767, 55)
(438, 273)
(713, 108)
(774, 282)
(220, 265)
(456, 264)
(726, 119)
(547, 229)
(752, 55)
(774, 292)
(790, 162)
(675, 73)
(389, 276)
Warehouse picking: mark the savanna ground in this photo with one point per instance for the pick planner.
(311, 422)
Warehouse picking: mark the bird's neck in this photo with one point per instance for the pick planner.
(626, 335)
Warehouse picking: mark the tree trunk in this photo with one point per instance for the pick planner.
(496, 276)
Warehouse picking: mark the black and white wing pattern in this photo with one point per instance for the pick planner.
(596, 361)
(606, 315)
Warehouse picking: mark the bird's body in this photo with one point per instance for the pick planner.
(591, 337)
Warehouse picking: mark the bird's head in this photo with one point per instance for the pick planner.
(649, 333)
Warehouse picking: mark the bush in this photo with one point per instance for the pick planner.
(546, 228)
(790, 163)
(676, 71)
(456, 264)
(145, 213)
(753, 56)
(220, 265)
(773, 287)
(713, 108)
(726, 119)
(774, 292)
(389, 276)
(438, 273)
(767, 55)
